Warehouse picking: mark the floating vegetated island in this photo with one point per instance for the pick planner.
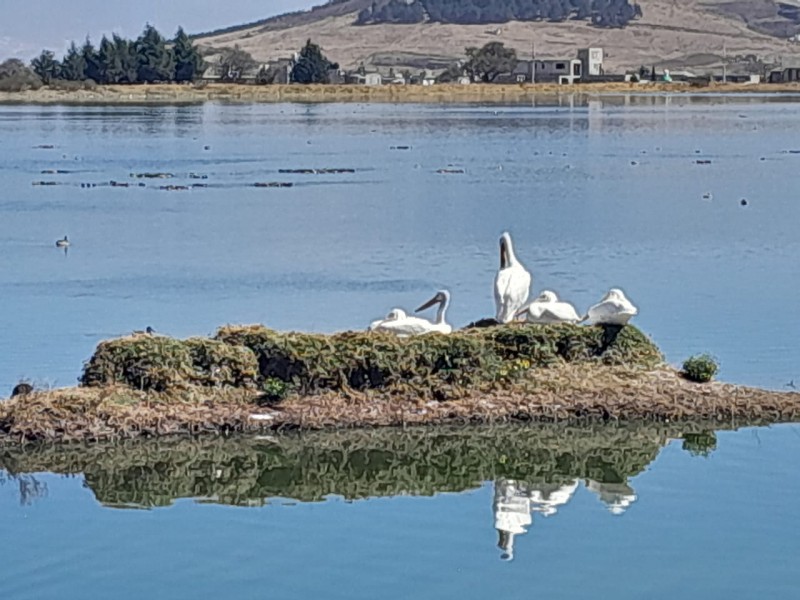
(251, 378)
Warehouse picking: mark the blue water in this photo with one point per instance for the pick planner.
(722, 525)
(598, 194)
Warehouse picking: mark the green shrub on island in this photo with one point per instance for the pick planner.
(700, 368)
(434, 366)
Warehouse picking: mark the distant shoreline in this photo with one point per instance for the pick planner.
(175, 94)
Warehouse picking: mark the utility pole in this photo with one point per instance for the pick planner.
(533, 61)
(724, 64)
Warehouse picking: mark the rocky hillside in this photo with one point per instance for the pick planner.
(679, 33)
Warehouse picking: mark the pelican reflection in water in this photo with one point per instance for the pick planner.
(515, 502)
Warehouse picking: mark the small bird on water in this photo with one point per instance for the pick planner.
(791, 384)
(63, 243)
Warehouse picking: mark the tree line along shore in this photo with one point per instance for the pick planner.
(250, 379)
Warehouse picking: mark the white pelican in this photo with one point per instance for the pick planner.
(613, 309)
(547, 308)
(407, 325)
(62, 243)
(394, 315)
(512, 283)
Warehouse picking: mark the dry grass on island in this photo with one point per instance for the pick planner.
(248, 379)
(435, 94)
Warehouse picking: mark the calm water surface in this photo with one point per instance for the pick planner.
(600, 194)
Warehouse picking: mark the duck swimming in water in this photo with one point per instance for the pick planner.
(613, 309)
(547, 308)
(406, 325)
(62, 243)
(511, 284)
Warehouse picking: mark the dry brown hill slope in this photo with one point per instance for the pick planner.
(677, 33)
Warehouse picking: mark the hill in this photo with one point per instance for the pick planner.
(676, 33)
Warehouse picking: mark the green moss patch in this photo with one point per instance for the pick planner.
(438, 366)
(159, 363)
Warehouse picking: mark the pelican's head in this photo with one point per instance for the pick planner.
(615, 294)
(396, 314)
(442, 297)
(547, 296)
(506, 250)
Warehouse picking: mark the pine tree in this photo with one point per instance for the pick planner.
(312, 66)
(155, 61)
(126, 53)
(46, 67)
(91, 69)
(109, 64)
(189, 64)
(73, 65)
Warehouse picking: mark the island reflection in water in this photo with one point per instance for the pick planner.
(535, 469)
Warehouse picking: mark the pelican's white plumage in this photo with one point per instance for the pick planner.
(394, 315)
(405, 325)
(547, 308)
(511, 284)
(613, 309)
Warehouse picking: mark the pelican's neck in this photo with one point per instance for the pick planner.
(510, 256)
(440, 314)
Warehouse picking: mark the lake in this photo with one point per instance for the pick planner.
(688, 203)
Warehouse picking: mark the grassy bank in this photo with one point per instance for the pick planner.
(500, 94)
(248, 379)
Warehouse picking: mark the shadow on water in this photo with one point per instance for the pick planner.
(536, 465)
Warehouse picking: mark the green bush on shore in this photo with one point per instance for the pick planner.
(700, 368)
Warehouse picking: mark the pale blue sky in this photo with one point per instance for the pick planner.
(28, 26)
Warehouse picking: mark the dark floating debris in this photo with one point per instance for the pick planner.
(197, 176)
(88, 185)
(199, 185)
(44, 147)
(273, 184)
(743, 202)
(634, 163)
(153, 175)
(450, 171)
(47, 183)
(315, 171)
(174, 188)
(703, 162)
(125, 184)
(399, 147)
(206, 147)
(55, 172)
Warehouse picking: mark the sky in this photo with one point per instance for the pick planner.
(29, 26)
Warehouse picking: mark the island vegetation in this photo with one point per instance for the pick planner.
(251, 378)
